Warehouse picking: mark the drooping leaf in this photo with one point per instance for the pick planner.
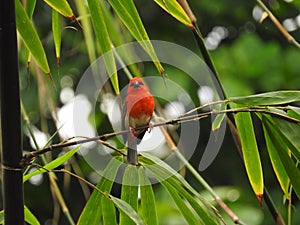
(148, 205)
(250, 152)
(173, 8)
(128, 13)
(104, 41)
(277, 165)
(294, 112)
(61, 6)
(108, 212)
(129, 192)
(30, 37)
(91, 214)
(269, 98)
(29, 217)
(56, 30)
(53, 164)
(288, 163)
(128, 210)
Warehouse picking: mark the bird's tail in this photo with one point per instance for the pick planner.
(132, 150)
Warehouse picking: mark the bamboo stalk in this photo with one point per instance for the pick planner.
(10, 118)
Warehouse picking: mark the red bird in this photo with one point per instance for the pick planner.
(138, 110)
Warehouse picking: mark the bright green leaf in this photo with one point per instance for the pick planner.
(269, 98)
(288, 163)
(29, 217)
(53, 164)
(174, 9)
(30, 37)
(61, 6)
(128, 13)
(250, 152)
(148, 205)
(129, 192)
(277, 164)
(108, 212)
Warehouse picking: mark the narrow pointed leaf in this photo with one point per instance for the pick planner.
(30, 37)
(129, 192)
(148, 205)
(128, 13)
(104, 41)
(108, 212)
(250, 152)
(269, 98)
(61, 6)
(174, 9)
(56, 30)
(294, 112)
(128, 210)
(29, 217)
(288, 163)
(53, 164)
(91, 214)
(277, 165)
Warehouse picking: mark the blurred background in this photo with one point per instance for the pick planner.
(251, 57)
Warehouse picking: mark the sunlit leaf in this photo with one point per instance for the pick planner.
(129, 192)
(29, 217)
(128, 13)
(30, 37)
(53, 164)
(250, 152)
(108, 212)
(148, 205)
(91, 214)
(104, 41)
(269, 98)
(174, 9)
(61, 6)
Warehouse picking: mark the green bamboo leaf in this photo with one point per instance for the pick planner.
(294, 112)
(125, 208)
(277, 165)
(174, 9)
(104, 41)
(109, 212)
(29, 7)
(129, 192)
(61, 6)
(163, 172)
(250, 152)
(186, 211)
(288, 163)
(269, 98)
(30, 37)
(128, 13)
(56, 30)
(148, 205)
(29, 217)
(53, 164)
(91, 214)
(2, 217)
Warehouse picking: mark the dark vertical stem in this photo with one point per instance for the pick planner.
(10, 117)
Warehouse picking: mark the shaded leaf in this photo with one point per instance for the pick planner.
(53, 164)
(269, 98)
(56, 30)
(91, 214)
(104, 41)
(129, 192)
(250, 152)
(148, 205)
